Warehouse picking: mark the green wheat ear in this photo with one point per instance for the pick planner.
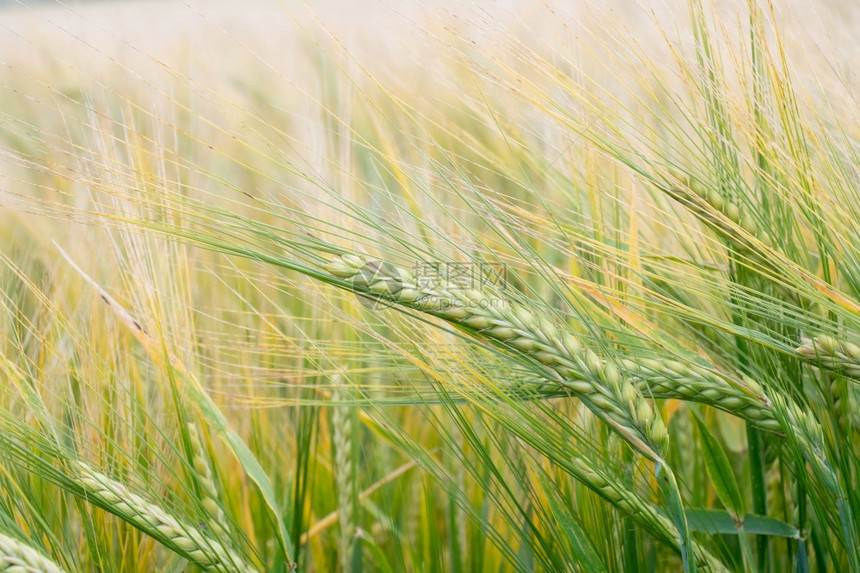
(184, 538)
(597, 381)
(206, 481)
(619, 394)
(694, 194)
(839, 355)
(17, 557)
(344, 470)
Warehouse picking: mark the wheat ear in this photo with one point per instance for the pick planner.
(206, 481)
(691, 193)
(344, 472)
(599, 383)
(575, 366)
(693, 383)
(151, 519)
(698, 384)
(17, 557)
(638, 509)
(839, 355)
(671, 379)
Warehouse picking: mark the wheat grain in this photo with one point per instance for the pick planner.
(693, 383)
(17, 557)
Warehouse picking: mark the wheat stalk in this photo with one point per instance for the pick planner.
(151, 519)
(17, 557)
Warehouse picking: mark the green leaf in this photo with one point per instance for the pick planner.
(246, 459)
(720, 470)
(380, 558)
(719, 522)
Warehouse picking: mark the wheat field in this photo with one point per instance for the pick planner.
(445, 286)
